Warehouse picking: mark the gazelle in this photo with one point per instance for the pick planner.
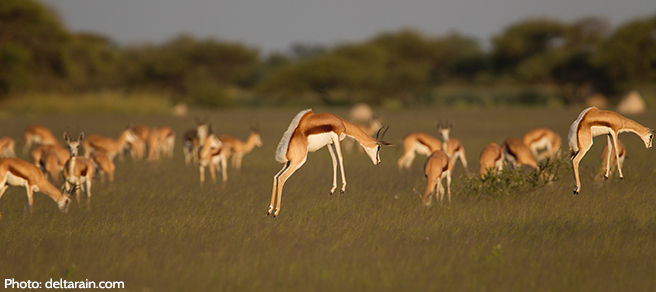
(593, 122)
(214, 154)
(240, 148)
(110, 146)
(78, 171)
(491, 159)
(451, 146)
(609, 160)
(309, 132)
(518, 154)
(18, 172)
(543, 143)
(417, 143)
(38, 135)
(193, 139)
(161, 142)
(7, 147)
(138, 147)
(51, 164)
(103, 165)
(438, 166)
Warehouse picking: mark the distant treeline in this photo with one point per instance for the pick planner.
(572, 59)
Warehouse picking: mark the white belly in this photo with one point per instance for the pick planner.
(421, 149)
(316, 142)
(541, 144)
(15, 180)
(599, 130)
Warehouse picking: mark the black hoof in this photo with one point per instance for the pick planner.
(342, 192)
(605, 177)
(576, 192)
(621, 177)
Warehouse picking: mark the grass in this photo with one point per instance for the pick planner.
(106, 102)
(156, 229)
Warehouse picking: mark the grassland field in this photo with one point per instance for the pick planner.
(156, 229)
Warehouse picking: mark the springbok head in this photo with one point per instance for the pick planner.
(73, 145)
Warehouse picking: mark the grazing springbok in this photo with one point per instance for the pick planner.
(193, 139)
(438, 166)
(593, 122)
(18, 172)
(309, 132)
(451, 146)
(78, 171)
(518, 154)
(103, 165)
(161, 142)
(7, 147)
(38, 135)
(239, 148)
(543, 143)
(51, 163)
(491, 159)
(214, 154)
(138, 147)
(110, 146)
(609, 160)
(417, 143)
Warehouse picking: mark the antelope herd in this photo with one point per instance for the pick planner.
(307, 132)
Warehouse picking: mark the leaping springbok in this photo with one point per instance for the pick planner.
(309, 132)
(593, 122)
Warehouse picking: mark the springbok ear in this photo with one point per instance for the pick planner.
(66, 137)
(81, 137)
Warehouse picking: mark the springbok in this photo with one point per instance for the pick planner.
(239, 148)
(491, 159)
(18, 172)
(438, 166)
(451, 146)
(78, 171)
(138, 147)
(161, 142)
(417, 143)
(309, 132)
(593, 122)
(38, 135)
(543, 143)
(103, 165)
(193, 139)
(518, 154)
(110, 146)
(214, 154)
(7, 147)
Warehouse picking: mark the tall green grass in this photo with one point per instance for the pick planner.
(158, 230)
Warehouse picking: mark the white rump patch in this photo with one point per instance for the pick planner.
(281, 151)
(572, 137)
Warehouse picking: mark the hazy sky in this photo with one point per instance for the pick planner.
(273, 25)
